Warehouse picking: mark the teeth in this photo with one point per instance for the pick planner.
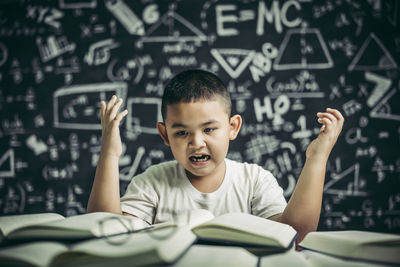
(199, 158)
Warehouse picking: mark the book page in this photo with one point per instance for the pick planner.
(100, 223)
(36, 253)
(255, 225)
(82, 226)
(206, 255)
(288, 258)
(146, 247)
(13, 222)
(129, 244)
(199, 216)
(361, 237)
(318, 259)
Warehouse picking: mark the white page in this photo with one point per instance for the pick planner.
(13, 222)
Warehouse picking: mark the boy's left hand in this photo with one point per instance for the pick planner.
(332, 123)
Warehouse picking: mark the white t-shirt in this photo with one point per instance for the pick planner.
(164, 193)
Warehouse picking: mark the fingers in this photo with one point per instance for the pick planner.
(115, 108)
(120, 116)
(111, 102)
(337, 114)
(109, 111)
(332, 118)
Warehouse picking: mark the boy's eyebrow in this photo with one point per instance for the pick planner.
(181, 125)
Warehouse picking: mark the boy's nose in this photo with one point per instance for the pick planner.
(197, 141)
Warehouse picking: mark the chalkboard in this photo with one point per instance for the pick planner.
(283, 61)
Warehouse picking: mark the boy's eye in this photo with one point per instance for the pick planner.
(181, 133)
(208, 130)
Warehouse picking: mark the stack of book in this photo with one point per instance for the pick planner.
(49, 239)
(233, 239)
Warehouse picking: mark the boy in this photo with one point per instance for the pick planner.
(198, 127)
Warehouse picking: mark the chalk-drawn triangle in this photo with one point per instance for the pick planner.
(386, 110)
(233, 61)
(7, 162)
(345, 183)
(303, 49)
(173, 28)
(372, 55)
(229, 59)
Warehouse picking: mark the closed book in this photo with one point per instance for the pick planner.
(359, 245)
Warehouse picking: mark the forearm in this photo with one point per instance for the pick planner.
(105, 194)
(304, 207)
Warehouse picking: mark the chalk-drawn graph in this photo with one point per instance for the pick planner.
(346, 183)
(144, 113)
(303, 49)
(53, 47)
(77, 107)
(172, 27)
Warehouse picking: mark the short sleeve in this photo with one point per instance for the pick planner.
(140, 199)
(268, 199)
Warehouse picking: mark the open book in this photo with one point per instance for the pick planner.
(360, 245)
(244, 230)
(55, 226)
(149, 247)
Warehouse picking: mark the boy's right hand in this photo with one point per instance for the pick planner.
(111, 139)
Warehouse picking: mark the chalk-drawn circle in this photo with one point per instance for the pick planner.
(269, 50)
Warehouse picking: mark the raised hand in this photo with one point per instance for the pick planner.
(110, 120)
(332, 124)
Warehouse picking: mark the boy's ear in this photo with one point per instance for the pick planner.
(235, 123)
(162, 130)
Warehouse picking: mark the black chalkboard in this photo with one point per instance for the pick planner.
(283, 61)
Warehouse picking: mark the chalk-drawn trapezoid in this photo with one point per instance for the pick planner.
(303, 49)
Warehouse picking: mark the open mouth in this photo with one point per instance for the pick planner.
(199, 158)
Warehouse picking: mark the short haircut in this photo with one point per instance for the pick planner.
(194, 85)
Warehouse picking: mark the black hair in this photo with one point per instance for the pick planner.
(194, 85)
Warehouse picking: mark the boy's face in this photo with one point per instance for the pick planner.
(199, 134)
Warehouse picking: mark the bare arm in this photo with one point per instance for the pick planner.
(105, 194)
(304, 207)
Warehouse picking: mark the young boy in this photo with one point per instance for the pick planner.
(198, 127)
